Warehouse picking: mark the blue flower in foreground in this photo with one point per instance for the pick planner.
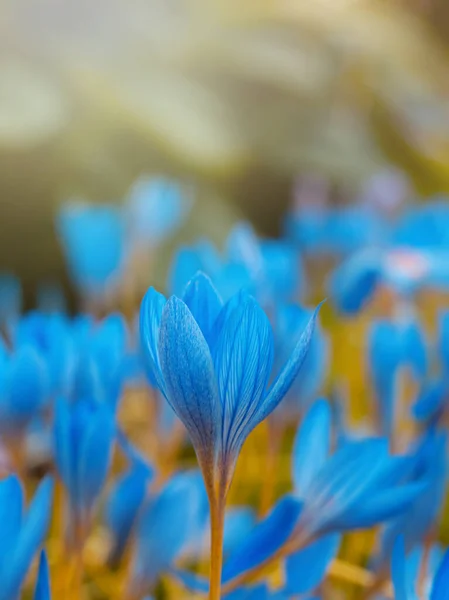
(213, 364)
(405, 578)
(24, 389)
(42, 591)
(83, 437)
(169, 522)
(22, 533)
(125, 501)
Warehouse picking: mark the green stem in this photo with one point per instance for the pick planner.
(216, 551)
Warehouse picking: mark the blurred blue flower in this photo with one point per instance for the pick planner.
(10, 298)
(93, 240)
(84, 433)
(51, 336)
(357, 487)
(22, 532)
(156, 207)
(24, 389)
(406, 571)
(42, 591)
(125, 501)
(428, 465)
(391, 348)
(353, 283)
(169, 522)
(213, 363)
(101, 359)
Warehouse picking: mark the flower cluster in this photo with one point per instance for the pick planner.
(215, 441)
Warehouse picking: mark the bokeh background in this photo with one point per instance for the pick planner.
(238, 99)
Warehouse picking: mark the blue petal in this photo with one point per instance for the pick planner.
(307, 568)
(151, 310)
(190, 380)
(312, 445)
(42, 591)
(166, 526)
(291, 369)
(124, 503)
(11, 509)
(64, 452)
(353, 284)
(203, 301)
(385, 355)
(345, 481)
(31, 537)
(95, 455)
(431, 400)
(403, 587)
(440, 585)
(28, 385)
(243, 359)
(381, 507)
(267, 538)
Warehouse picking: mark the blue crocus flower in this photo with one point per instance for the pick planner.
(428, 464)
(125, 501)
(25, 388)
(353, 283)
(213, 364)
(156, 207)
(168, 523)
(356, 487)
(52, 337)
(93, 239)
(83, 437)
(22, 532)
(404, 576)
(101, 359)
(391, 347)
(42, 591)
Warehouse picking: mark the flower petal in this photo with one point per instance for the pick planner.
(265, 540)
(31, 537)
(306, 569)
(291, 369)
(312, 445)
(166, 525)
(150, 321)
(95, 455)
(42, 591)
(203, 301)
(190, 380)
(243, 359)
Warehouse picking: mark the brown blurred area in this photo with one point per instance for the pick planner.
(238, 98)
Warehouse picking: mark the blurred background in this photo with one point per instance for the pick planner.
(239, 100)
